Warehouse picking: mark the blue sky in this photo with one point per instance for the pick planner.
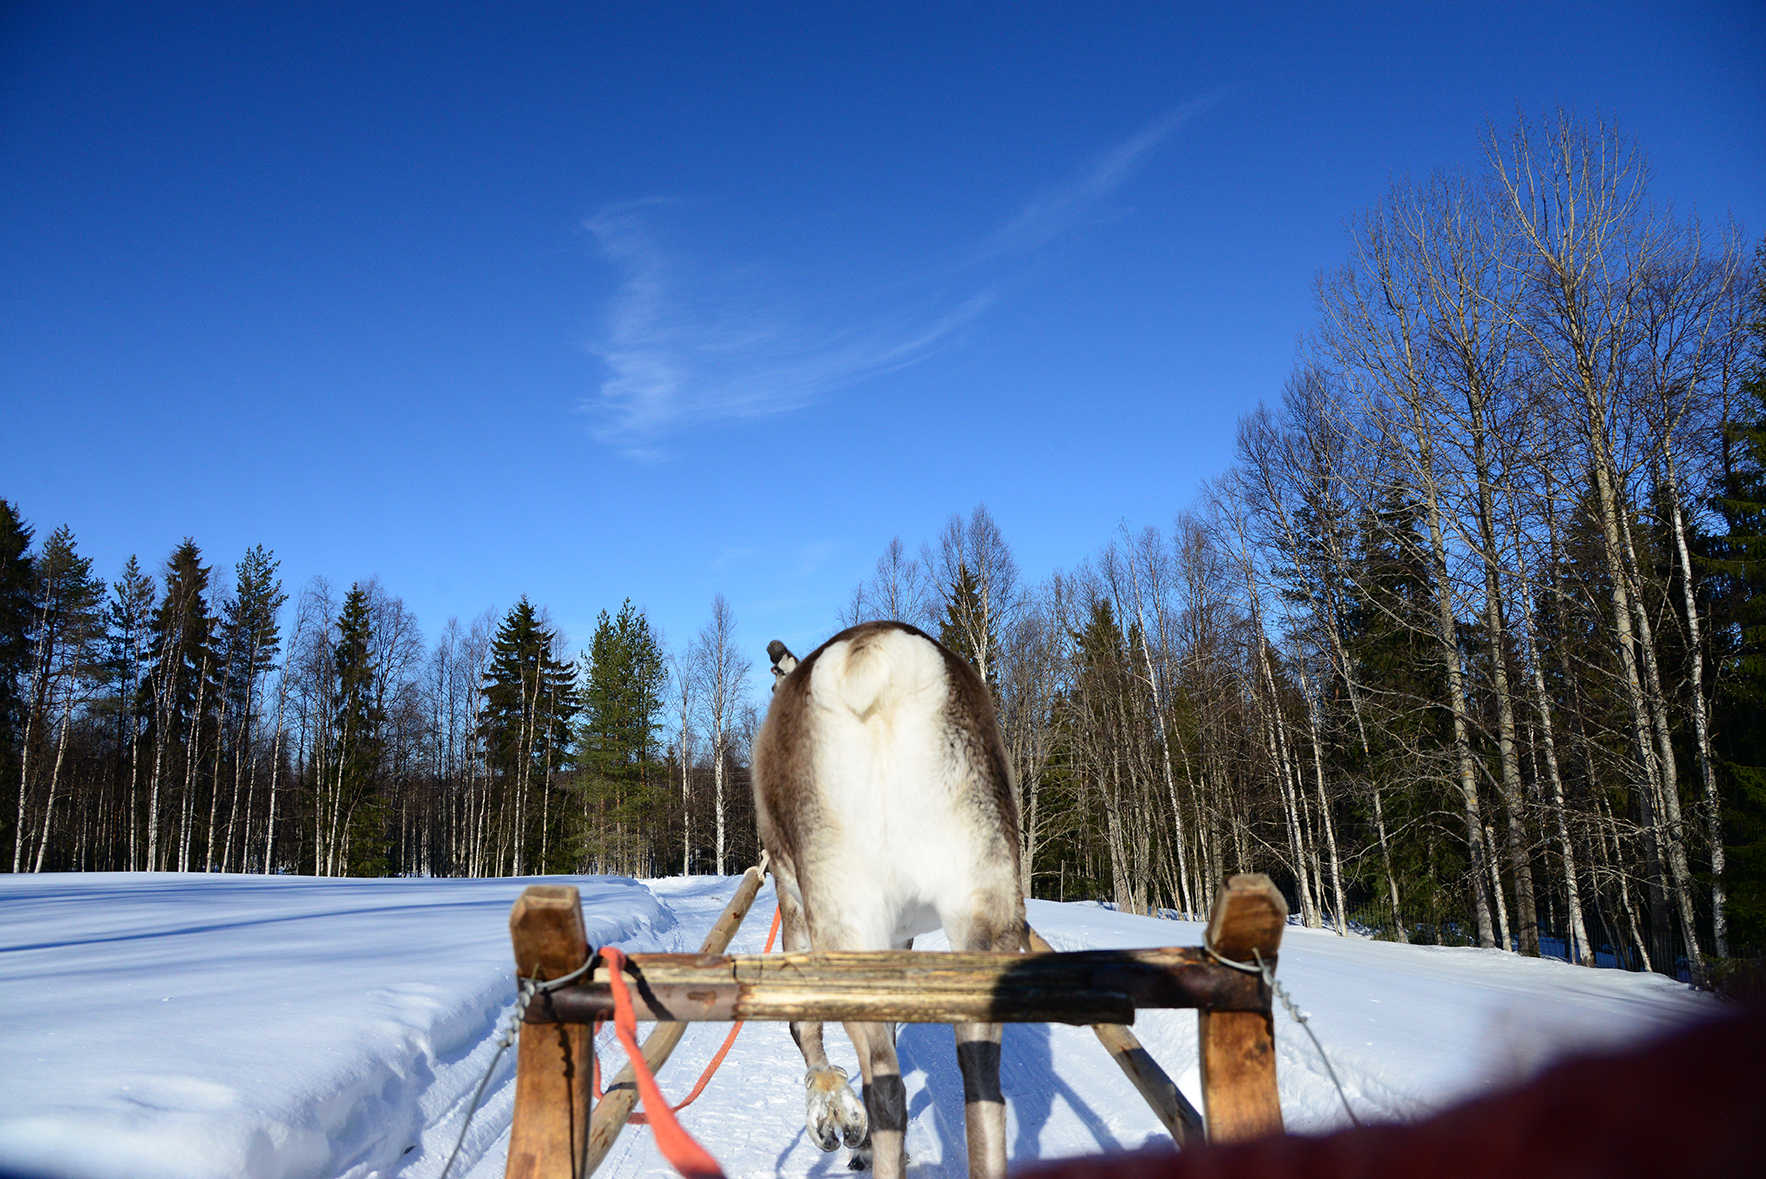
(593, 301)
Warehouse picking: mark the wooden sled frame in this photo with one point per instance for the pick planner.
(555, 1135)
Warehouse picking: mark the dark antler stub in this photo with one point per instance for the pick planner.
(784, 663)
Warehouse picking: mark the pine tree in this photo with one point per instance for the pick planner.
(1737, 561)
(966, 628)
(128, 655)
(622, 676)
(357, 835)
(529, 698)
(253, 640)
(179, 697)
(15, 622)
(65, 629)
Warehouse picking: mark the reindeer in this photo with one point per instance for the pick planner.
(886, 802)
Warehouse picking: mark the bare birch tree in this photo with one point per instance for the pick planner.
(721, 672)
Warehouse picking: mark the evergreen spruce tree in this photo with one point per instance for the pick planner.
(252, 639)
(250, 620)
(64, 660)
(180, 698)
(1736, 559)
(1387, 635)
(1092, 736)
(16, 608)
(529, 699)
(128, 655)
(622, 675)
(358, 815)
(962, 628)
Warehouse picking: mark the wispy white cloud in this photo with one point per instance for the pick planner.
(1064, 206)
(687, 345)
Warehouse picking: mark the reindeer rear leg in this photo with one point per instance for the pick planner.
(984, 1106)
(978, 1056)
(861, 1159)
(833, 1114)
(886, 1101)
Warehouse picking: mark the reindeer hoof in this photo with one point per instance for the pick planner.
(861, 1159)
(835, 1113)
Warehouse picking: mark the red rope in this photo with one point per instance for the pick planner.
(677, 1146)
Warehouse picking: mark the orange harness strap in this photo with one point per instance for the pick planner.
(677, 1146)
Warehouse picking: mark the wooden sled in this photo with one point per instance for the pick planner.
(555, 1135)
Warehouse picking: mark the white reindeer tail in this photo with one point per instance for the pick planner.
(879, 667)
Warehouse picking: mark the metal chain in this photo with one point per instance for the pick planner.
(525, 992)
(1300, 1017)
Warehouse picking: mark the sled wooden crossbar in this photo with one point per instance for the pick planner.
(555, 1135)
(908, 986)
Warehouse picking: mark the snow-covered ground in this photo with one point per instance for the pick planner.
(185, 1025)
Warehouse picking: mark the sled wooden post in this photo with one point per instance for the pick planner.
(1162, 1094)
(1238, 1047)
(552, 1062)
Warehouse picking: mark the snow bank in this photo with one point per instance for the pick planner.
(1410, 1029)
(188, 1025)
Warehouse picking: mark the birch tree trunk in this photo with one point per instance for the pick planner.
(717, 779)
(54, 780)
(1448, 638)
(1514, 795)
(134, 778)
(1330, 828)
(24, 760)
(275, 773)
(1373, 328)
(684, 684)
(722, 674)
(192, 762)
(1618, 861)
(1700, 723)
(1542, 705)
(1282, 765)
(1180, 836)
(214, 786)
(1495, 861)
(1669, 775)
(161, 708)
